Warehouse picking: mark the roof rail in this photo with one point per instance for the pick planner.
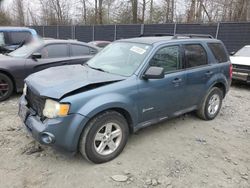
(192, 36)
(156, 34)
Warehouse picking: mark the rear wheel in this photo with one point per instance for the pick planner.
(104, 137)
(6, 87)
(211, 105)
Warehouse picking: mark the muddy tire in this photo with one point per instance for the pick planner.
(211, 104)
(105, 137)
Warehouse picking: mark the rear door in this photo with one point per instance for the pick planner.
(52, 55)
(162, 98)
(79, 54)
(198, 70)
(221, 62)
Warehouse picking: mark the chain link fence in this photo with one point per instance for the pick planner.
(234, 35)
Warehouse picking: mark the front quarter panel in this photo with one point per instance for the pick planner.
(122, 95)
(108, 101)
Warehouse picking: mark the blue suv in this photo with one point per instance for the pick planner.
(12, 38)
(129, 85)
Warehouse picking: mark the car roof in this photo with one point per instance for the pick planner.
(164, 39)
(15, 29)
(99, 41)
(52, 41)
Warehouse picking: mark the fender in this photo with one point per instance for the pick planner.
(215, 79)
(110, 101)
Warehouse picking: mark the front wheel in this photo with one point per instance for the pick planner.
(211, 105)
(104, 137)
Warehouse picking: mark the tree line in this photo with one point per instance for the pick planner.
(88, 12)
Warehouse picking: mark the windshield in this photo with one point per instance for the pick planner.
(122, 58)
(26, 49)
(244, 52)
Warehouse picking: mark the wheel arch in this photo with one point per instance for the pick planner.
(120, 110)
(221, 86)
(124, 112)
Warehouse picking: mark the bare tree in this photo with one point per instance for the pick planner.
(134, 4)
(84, 11)
(4, 18)
(55, 12)
(151, 11)
(19, 12)
(96, 12)
(100, 18)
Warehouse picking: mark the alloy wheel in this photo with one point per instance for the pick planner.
(213, 104)
(4, 88)
(108, 138)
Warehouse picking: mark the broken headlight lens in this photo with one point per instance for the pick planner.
(25, 89)
(55, 109)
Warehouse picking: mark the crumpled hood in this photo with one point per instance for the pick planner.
(240, 60)
(56, 82)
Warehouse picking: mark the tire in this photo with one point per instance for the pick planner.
(96, 145)
(208, 109)
(6, 87)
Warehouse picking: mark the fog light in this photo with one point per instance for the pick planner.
(47, 138)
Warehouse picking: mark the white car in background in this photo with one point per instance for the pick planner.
(241, 64)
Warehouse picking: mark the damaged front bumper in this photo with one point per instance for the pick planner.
(62, 133)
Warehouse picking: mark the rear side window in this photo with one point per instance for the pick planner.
(54, 51)
(79, 50)
(219, 52)
(195, 55)
(18, 37)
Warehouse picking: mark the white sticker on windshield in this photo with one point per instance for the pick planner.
(138, 50)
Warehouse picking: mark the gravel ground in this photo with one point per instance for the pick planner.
(183, 152)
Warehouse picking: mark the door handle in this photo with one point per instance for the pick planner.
(209, 73)
(177, 80)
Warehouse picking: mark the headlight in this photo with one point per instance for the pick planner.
(54, 109)
(25, 89)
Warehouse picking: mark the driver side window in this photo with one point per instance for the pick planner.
(54, 51)
(167, 58)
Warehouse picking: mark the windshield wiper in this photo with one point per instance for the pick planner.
(99, 69)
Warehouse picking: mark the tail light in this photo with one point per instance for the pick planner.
(231, 71)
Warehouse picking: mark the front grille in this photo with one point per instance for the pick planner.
(35, 102)
(246, 67)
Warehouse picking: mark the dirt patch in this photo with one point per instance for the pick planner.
(183, 152)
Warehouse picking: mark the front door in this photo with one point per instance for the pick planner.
(52, 55)
(161, 98)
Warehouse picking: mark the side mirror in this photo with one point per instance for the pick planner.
(232, 53)
(154, 73)
(36, 55)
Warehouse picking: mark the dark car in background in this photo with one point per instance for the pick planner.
(100, 43)
(36, 56)
(12, 38)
